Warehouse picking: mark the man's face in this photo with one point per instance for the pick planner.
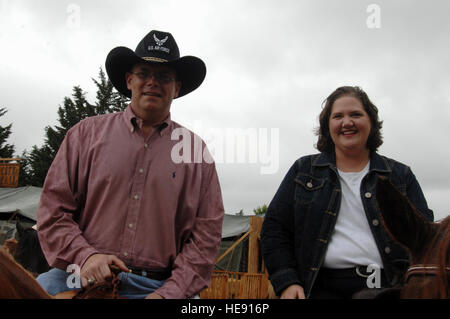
(153, 87)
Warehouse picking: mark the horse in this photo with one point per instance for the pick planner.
(28, 251)
(18, 283)
(428, 244)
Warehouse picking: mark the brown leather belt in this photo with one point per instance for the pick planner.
(152, 274)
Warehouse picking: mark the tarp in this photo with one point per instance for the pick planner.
(25, 200)
(234, 225)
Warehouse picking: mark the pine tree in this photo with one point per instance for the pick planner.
(108, 99)
(6, 150)
(74, 109)
(260, 210)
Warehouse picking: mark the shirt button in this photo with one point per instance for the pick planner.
(387, 250)
(309, 184)
(141, 170)
(136, 196)
(130, 225)
(375, 222)
(146, 145)
(125, 254)
(368, 195)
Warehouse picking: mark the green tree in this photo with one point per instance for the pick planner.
(108, 99)
(6, 150)
(74, 109)
(24, 173)
(261, 210)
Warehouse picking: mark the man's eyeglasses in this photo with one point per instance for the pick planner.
(161, 77)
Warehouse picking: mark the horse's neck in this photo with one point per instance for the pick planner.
(16, 282)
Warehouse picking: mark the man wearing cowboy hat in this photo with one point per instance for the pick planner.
(114, 194)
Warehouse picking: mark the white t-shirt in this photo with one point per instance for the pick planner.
(352, 242)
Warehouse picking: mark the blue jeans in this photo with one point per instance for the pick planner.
(132, 286)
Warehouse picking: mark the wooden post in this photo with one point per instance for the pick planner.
(253, 243)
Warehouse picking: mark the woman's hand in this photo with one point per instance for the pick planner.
(293, 292)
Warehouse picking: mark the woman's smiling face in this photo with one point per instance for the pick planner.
(349, 125)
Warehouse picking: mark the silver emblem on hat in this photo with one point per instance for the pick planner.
(160, 42)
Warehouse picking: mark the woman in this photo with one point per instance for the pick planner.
(322, 229)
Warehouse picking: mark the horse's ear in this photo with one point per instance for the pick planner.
(20, 228)
(401, 218)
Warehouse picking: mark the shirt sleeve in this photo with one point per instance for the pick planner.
(193, 266)
(59, 234)
(415, 195)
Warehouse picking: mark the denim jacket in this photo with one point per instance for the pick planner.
(301, 217)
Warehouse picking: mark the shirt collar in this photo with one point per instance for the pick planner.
(133, 122)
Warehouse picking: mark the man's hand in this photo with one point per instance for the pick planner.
(96, 268)
(293, 292)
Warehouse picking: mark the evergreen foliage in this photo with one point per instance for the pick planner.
(36, 163)
(6, 150)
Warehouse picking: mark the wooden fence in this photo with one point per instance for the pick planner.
(253, 284)
(236, 285)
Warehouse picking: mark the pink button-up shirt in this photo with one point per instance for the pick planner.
(111, 190)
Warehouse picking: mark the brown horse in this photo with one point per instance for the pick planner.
(427, 242)
(18, 283)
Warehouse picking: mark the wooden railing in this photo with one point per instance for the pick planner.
(236, 285)
(253, 284)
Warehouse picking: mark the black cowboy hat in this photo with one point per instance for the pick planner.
(155, 47)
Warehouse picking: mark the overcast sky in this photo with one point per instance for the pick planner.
(270, 66)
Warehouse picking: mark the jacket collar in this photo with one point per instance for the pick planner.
(377, 162)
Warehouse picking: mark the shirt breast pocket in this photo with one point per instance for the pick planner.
(307, 188)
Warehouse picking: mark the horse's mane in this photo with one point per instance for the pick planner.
(16, 282)
(427, 242)
(441, 249)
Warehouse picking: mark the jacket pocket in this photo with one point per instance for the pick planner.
(307, 188)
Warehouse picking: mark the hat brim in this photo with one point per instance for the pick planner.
(191, 71)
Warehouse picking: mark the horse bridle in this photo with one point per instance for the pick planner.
(424, 270)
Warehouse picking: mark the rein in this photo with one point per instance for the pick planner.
(105, 290)
(424, 270)
(101, 290)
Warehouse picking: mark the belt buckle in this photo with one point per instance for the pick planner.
(358, 272)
